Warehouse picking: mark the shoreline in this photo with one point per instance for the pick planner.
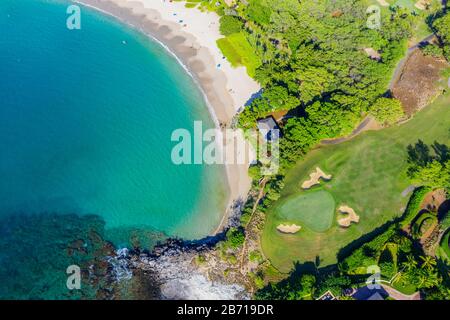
(193, 44)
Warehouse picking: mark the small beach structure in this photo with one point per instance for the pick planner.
(269, 129)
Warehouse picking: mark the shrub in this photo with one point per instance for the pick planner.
(235, 238)
(432, 50)
(445, 221)
(387, 269)
(387, 111)
(413, 205)
(232, 259)
(442, 28)
(255, 256)
(366, 255)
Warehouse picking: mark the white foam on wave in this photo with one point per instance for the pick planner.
(120, 265)
(197, 287)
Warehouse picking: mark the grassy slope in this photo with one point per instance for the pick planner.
(368, 174)
(239, 52)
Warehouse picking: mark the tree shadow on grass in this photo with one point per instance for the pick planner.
(289, 286)
(355, 244)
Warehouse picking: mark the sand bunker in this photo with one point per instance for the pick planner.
(284, 228)
(422, 4)
(383, 3)
(351, 216)
(314, 178)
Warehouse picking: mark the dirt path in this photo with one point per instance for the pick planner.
(427, 234)
(255, 206)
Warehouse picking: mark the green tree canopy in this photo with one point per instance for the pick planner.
(387, 111)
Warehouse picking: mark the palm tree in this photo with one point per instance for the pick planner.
(428, 279)
(428, 262)
(399, 277)
(410, 264)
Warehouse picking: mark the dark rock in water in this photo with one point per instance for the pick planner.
(57, 241)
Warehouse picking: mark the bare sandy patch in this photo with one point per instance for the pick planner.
(314, 178)
(372, 53)
(434, 200)
(284, 228)
(383, 3)
(422, 4)
(418, 82)
(350, 217)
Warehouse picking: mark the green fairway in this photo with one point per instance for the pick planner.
(314, 210)
(368, 175)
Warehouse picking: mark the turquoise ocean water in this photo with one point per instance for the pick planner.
(86, 118)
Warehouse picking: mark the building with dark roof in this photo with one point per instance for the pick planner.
(267, 128)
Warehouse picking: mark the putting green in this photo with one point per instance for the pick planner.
(314, 210)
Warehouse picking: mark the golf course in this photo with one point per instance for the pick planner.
(368, 175)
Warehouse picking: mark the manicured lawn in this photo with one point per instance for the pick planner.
(313, 210)
(239, 52)
(368, 175)
(405, 287)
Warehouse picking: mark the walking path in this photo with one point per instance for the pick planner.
(397, 295)
(401, 64)
(255, 207)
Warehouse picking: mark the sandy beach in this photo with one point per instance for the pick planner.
(191, 35)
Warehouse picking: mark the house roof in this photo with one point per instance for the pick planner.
(267, 124)
(375, 296)
(266, 127)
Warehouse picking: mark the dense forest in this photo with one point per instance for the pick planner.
(312, 63)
